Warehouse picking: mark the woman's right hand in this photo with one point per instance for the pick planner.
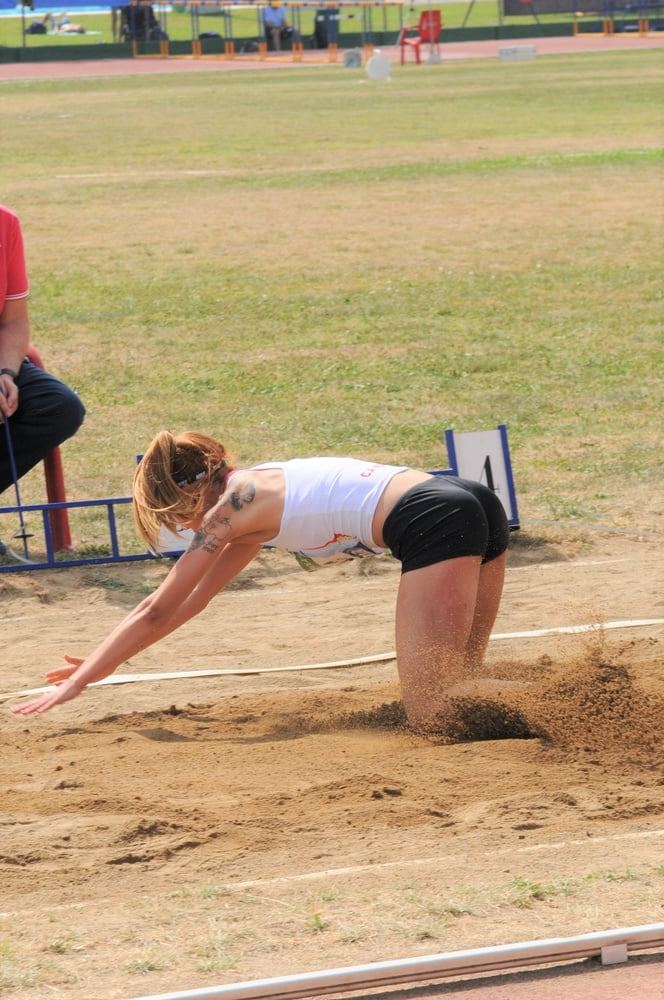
(60, 674)
(65, 689)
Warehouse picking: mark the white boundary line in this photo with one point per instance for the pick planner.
(335, 664)
(326, 873)
(574, 629)
(557, 563)
(445, 859)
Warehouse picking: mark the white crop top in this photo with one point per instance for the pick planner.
(329, 505)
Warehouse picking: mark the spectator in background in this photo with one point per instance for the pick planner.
(276, 26)
(39, 27)
(42, 411)
(63, 26)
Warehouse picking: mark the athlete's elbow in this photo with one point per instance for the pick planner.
(154, 615)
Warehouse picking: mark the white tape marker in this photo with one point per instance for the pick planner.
(573, 629)
(333, 665)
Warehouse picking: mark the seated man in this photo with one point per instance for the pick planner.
(41, 411)
(276, 26)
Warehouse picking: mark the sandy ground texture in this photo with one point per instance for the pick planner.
(167, 834)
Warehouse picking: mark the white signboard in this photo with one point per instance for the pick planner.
(484, 457)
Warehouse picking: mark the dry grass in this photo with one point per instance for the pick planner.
(304, 262)
(211, 929)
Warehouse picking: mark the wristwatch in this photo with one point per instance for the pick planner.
(9, 371)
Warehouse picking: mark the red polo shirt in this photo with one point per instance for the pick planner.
(13, 273)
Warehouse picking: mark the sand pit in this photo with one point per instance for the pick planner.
(172, 834)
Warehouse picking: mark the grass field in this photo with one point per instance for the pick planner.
(308, 261)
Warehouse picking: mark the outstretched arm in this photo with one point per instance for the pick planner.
(194, 580)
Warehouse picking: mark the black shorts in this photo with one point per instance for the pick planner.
(445, 518)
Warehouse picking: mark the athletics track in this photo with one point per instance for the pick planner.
(642, 977)
(567, 45)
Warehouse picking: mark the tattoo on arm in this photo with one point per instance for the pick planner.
(237, 499)
(210, 536)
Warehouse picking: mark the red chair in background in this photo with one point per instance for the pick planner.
(428, 30)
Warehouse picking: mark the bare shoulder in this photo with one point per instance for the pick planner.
(240, 491)
(250, 507)
(253, 487)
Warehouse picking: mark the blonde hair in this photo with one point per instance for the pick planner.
(172, 480)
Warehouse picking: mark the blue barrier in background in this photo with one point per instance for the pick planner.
(482, 456)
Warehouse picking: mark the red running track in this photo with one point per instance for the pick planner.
(583, 43)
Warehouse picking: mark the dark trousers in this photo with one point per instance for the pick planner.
(48, 413)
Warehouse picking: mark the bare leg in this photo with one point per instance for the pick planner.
(489, 592)
(437, 608)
